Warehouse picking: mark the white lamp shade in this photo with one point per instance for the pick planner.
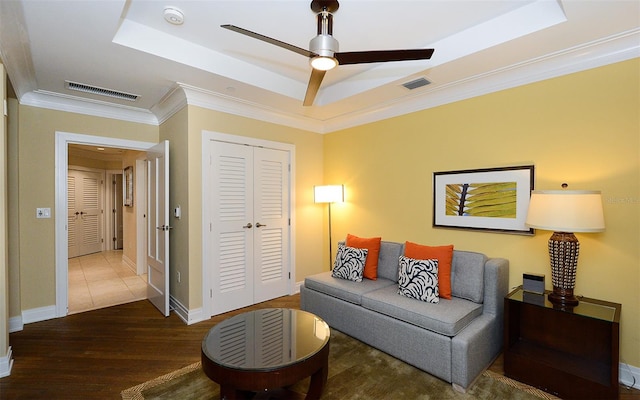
(328, 194)
(566, 211)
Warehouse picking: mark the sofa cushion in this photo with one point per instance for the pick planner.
(343, 289)
(448, 317)
(443, 254)
(349, 263)
(467, 275)
(388, 260)
(373, 246)
(418, 279)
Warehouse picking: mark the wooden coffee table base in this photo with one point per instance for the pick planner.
(242, 383)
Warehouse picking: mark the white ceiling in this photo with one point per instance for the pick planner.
(480, 46)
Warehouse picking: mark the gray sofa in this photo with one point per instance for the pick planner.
(454, 340)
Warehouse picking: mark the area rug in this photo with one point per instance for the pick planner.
(356, 371)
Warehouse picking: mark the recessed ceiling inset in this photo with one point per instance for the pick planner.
(323, 49)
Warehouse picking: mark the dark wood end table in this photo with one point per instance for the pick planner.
(571, 352)
(267, 350)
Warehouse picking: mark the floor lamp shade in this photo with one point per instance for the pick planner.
(328, 194)
(565, 212)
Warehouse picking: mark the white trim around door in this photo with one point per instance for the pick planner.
(207, 136)
(62, 140)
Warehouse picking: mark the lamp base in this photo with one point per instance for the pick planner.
(563, 297)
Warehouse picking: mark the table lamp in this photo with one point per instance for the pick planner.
(328, 194)
(565, 212)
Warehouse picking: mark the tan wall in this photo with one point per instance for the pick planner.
(583, 129)
(129, 214)
(187, 191)
(175, 130)
(36, 187)
(4, 243)
(82, 161)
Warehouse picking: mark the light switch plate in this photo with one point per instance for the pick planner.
(43, 212)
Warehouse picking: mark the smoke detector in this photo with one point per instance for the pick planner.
(173, 15)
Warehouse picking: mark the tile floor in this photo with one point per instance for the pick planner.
(102, 280)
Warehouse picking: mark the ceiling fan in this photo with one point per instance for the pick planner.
(323, 49)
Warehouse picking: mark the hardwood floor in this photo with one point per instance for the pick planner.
(97, 354)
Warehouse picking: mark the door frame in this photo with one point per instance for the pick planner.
(208, 136)
(62, 141)
(110, 204)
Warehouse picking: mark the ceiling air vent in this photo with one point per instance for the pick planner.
(81, 87)
(420, 82)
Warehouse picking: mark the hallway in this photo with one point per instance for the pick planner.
(102, 280)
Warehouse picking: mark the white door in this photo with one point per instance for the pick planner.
(158, 226)
(85, 207)
(250, 225)
(271, 214)
(232, 227)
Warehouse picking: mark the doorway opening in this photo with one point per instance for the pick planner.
(62, 142)
(100, 273)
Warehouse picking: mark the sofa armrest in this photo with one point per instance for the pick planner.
(496, 286)
(473, 350)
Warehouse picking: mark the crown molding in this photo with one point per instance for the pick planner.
(218, 102)
(73, 104)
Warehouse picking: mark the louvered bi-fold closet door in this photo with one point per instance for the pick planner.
(249, 228)
(271, 209)
(232, 227)
(85, 219)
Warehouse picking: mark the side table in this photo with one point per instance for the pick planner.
(570, 352)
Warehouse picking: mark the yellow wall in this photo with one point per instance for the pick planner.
(186, 250)
(36, 188)
(583, 129)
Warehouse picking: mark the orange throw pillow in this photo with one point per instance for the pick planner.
(444, 254)
(371, 244)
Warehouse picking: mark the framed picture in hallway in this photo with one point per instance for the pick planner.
(490, 199)
(127, 181)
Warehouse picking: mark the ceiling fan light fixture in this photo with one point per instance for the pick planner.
(322, 63)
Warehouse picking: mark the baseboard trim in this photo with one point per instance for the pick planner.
(187, 316)
(629, 376)
(15, 324)
(39, 314)
(129, 263)
(6, 362)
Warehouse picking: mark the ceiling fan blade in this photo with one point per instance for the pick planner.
(267, 39)
(362, 57)
(314, 84)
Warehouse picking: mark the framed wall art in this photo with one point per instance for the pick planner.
(492, 199)
(127, 181)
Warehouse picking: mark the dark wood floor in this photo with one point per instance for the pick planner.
(97, 354)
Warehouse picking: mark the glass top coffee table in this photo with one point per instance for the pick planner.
(267, 349)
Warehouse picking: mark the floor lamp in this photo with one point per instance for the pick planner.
(328, 194)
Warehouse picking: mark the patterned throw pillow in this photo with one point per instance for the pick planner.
(418, 279)
(349, 263)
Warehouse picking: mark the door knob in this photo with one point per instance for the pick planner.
(248, 226)
(258, 225)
